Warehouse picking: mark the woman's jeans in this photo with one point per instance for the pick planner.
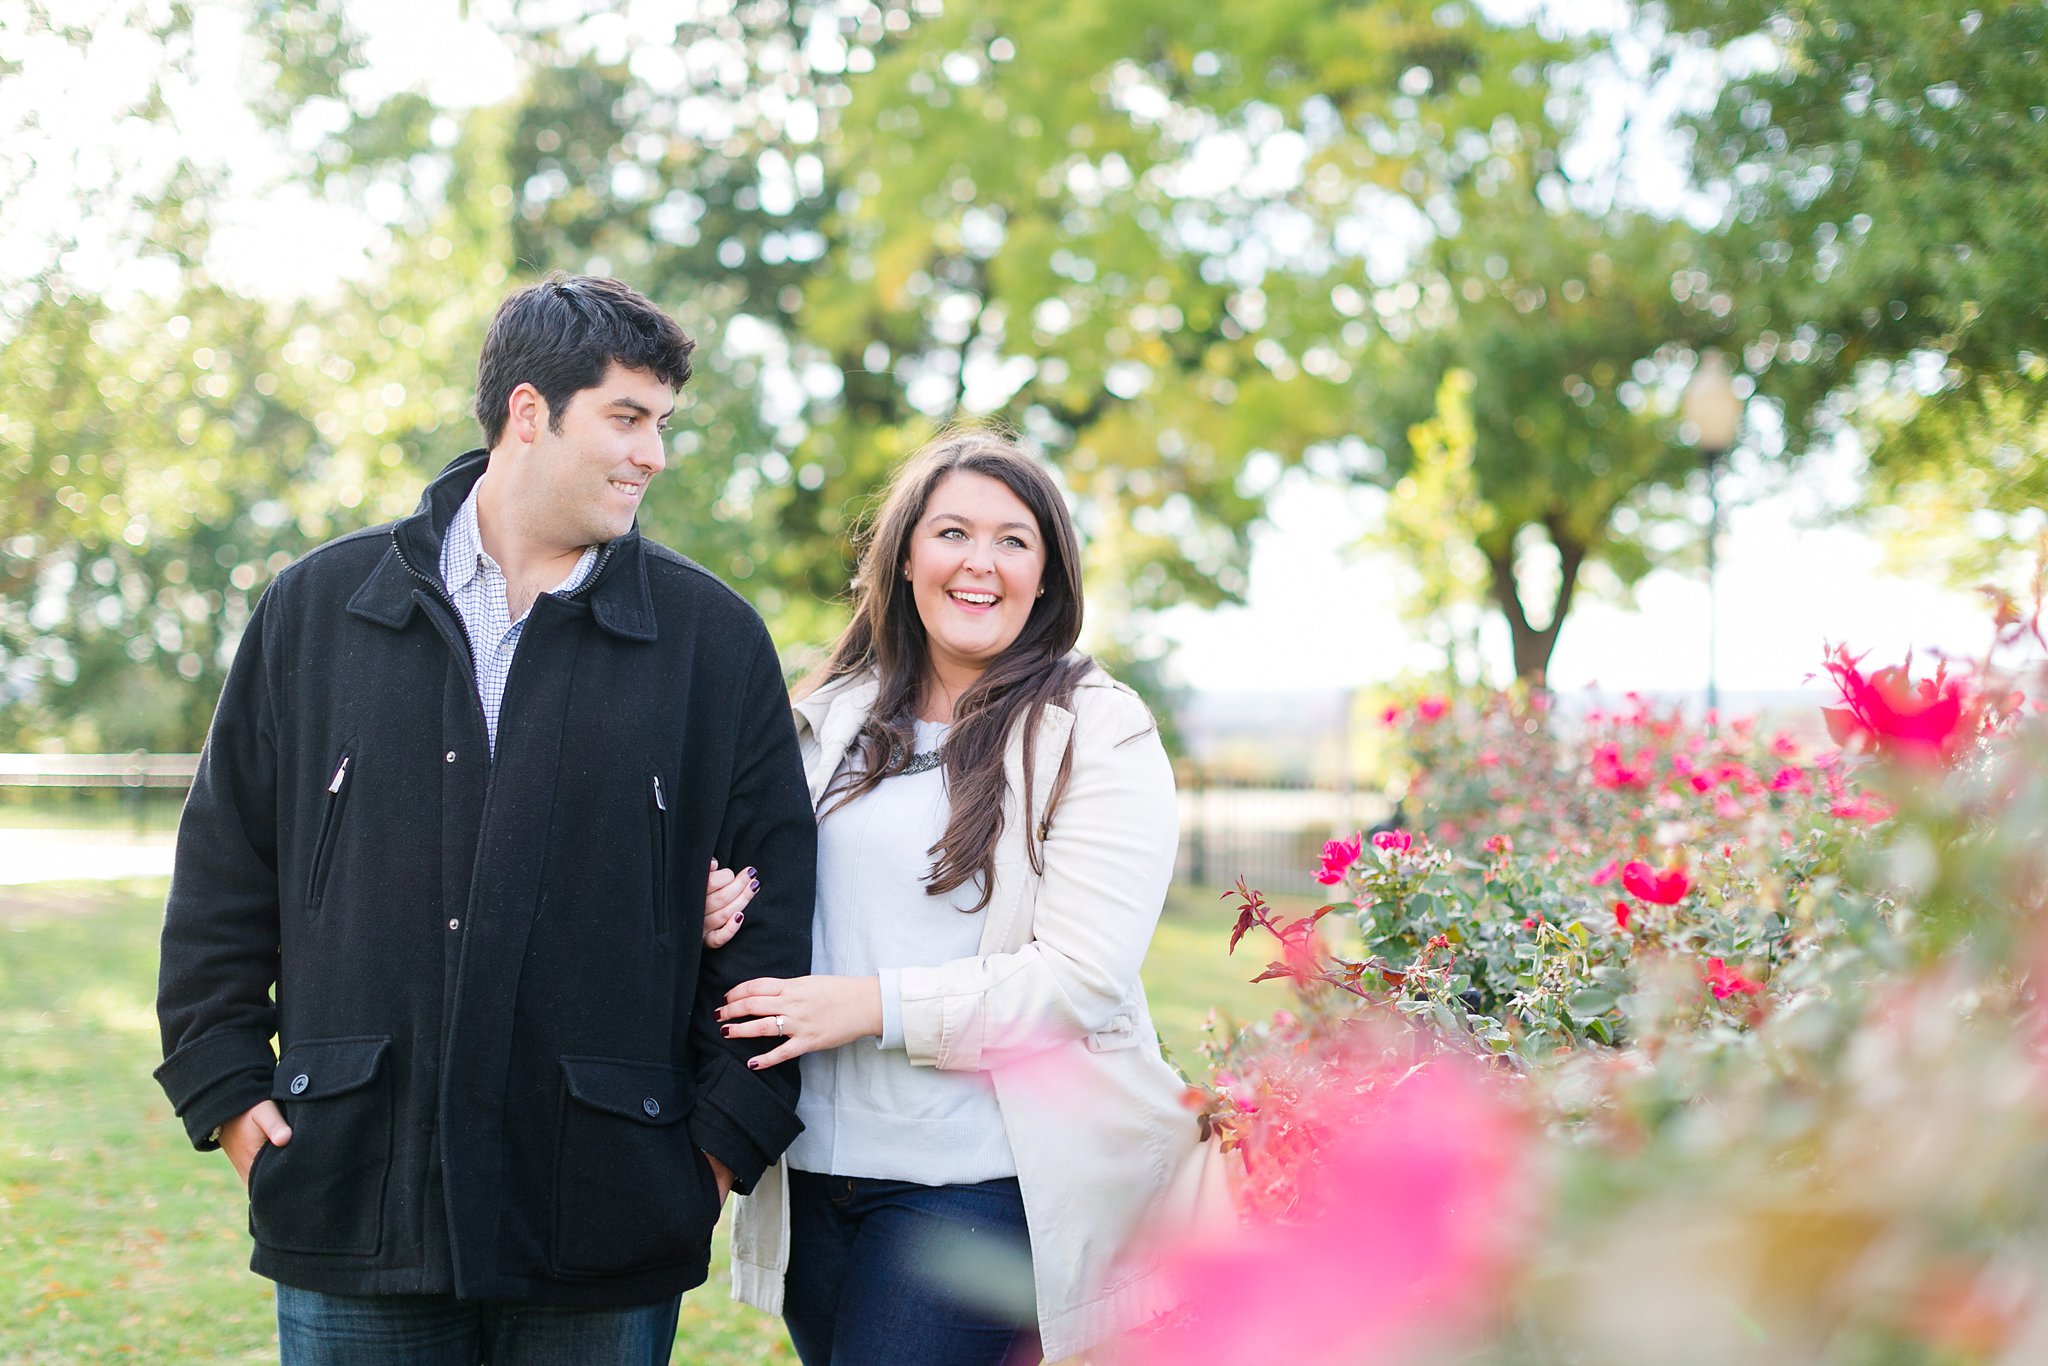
(890, 1273)
(315, 1329)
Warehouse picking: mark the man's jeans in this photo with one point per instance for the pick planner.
(884, 1273)
(438, 1330)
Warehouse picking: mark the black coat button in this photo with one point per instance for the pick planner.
(300, 1082)
(651, 1106)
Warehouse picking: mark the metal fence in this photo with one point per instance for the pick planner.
(1271, 835)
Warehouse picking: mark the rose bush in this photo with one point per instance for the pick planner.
(1548, 867)
(1769, 1015)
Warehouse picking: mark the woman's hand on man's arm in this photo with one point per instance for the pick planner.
(725, 903)
(807, 1013)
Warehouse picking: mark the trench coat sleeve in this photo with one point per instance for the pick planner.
(1108, 861)
(744, 1118)
(219, 958)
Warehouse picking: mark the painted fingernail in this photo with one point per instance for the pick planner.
(754, 884)
(740, 919)
(753, 1064)
(748, 873)
(727, 1031)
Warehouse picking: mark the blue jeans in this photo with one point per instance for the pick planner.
(890, 1273)
(314, 1329)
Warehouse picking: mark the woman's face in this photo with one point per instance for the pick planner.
(976, 562)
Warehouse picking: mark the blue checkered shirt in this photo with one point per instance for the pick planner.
(477, 586)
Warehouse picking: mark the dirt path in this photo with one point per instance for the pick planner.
(33, 856)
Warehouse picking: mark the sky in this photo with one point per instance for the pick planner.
(1320, 613)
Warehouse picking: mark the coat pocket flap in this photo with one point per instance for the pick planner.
(643, 1091)
(321, 1068)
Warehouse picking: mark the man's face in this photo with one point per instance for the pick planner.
(585, 481)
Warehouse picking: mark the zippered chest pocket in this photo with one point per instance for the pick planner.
(338, 788)
(659, 893)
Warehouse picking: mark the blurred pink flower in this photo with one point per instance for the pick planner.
(1607, 872)
(1394, 841)
(1860, 808)
(1622, 911)
(1725, 981)
(1390, 717)
(1408, 1221)
(1338, 856)
(1609, 771)
(1431, 708)
(1791, 778)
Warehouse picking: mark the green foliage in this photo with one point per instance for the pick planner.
(1180, 249)
(1882, 166)
(1434, 517)
(873, 227)
(129, 570)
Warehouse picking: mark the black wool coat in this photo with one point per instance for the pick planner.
(491, 1006)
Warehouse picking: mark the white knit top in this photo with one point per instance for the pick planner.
(867, 1111)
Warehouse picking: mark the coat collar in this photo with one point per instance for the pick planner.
(833, 716)
(620, 600)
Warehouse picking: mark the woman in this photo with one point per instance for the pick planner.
(997, 827)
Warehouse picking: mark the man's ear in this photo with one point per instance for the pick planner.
(526, 412)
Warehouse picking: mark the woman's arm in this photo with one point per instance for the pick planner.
(1108, 862)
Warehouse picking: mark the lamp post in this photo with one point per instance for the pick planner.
(1713, 410)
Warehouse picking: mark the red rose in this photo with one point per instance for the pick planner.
(1665, 887)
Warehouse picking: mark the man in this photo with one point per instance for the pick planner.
(455, 811)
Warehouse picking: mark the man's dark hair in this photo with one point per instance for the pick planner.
(561, 334)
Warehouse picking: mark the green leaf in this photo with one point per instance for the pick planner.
(1589, 1003)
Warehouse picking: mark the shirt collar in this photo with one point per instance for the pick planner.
(463, 556)
(462, 553)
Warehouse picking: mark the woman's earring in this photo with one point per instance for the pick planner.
(1041, 592)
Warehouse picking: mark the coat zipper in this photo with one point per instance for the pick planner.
(330, 820)
(661, 861)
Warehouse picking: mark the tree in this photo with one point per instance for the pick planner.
(1566, 331)
(1010, 211)
(1884, 171)
(1177, 246)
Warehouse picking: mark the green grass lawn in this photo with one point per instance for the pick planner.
(119, 1243)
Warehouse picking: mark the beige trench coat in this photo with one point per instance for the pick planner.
(1053, 1009)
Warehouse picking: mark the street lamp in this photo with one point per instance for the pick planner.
(1713, 410)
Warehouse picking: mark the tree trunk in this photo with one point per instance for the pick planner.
(1534, 645)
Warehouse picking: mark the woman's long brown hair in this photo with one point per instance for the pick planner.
(887, 637)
